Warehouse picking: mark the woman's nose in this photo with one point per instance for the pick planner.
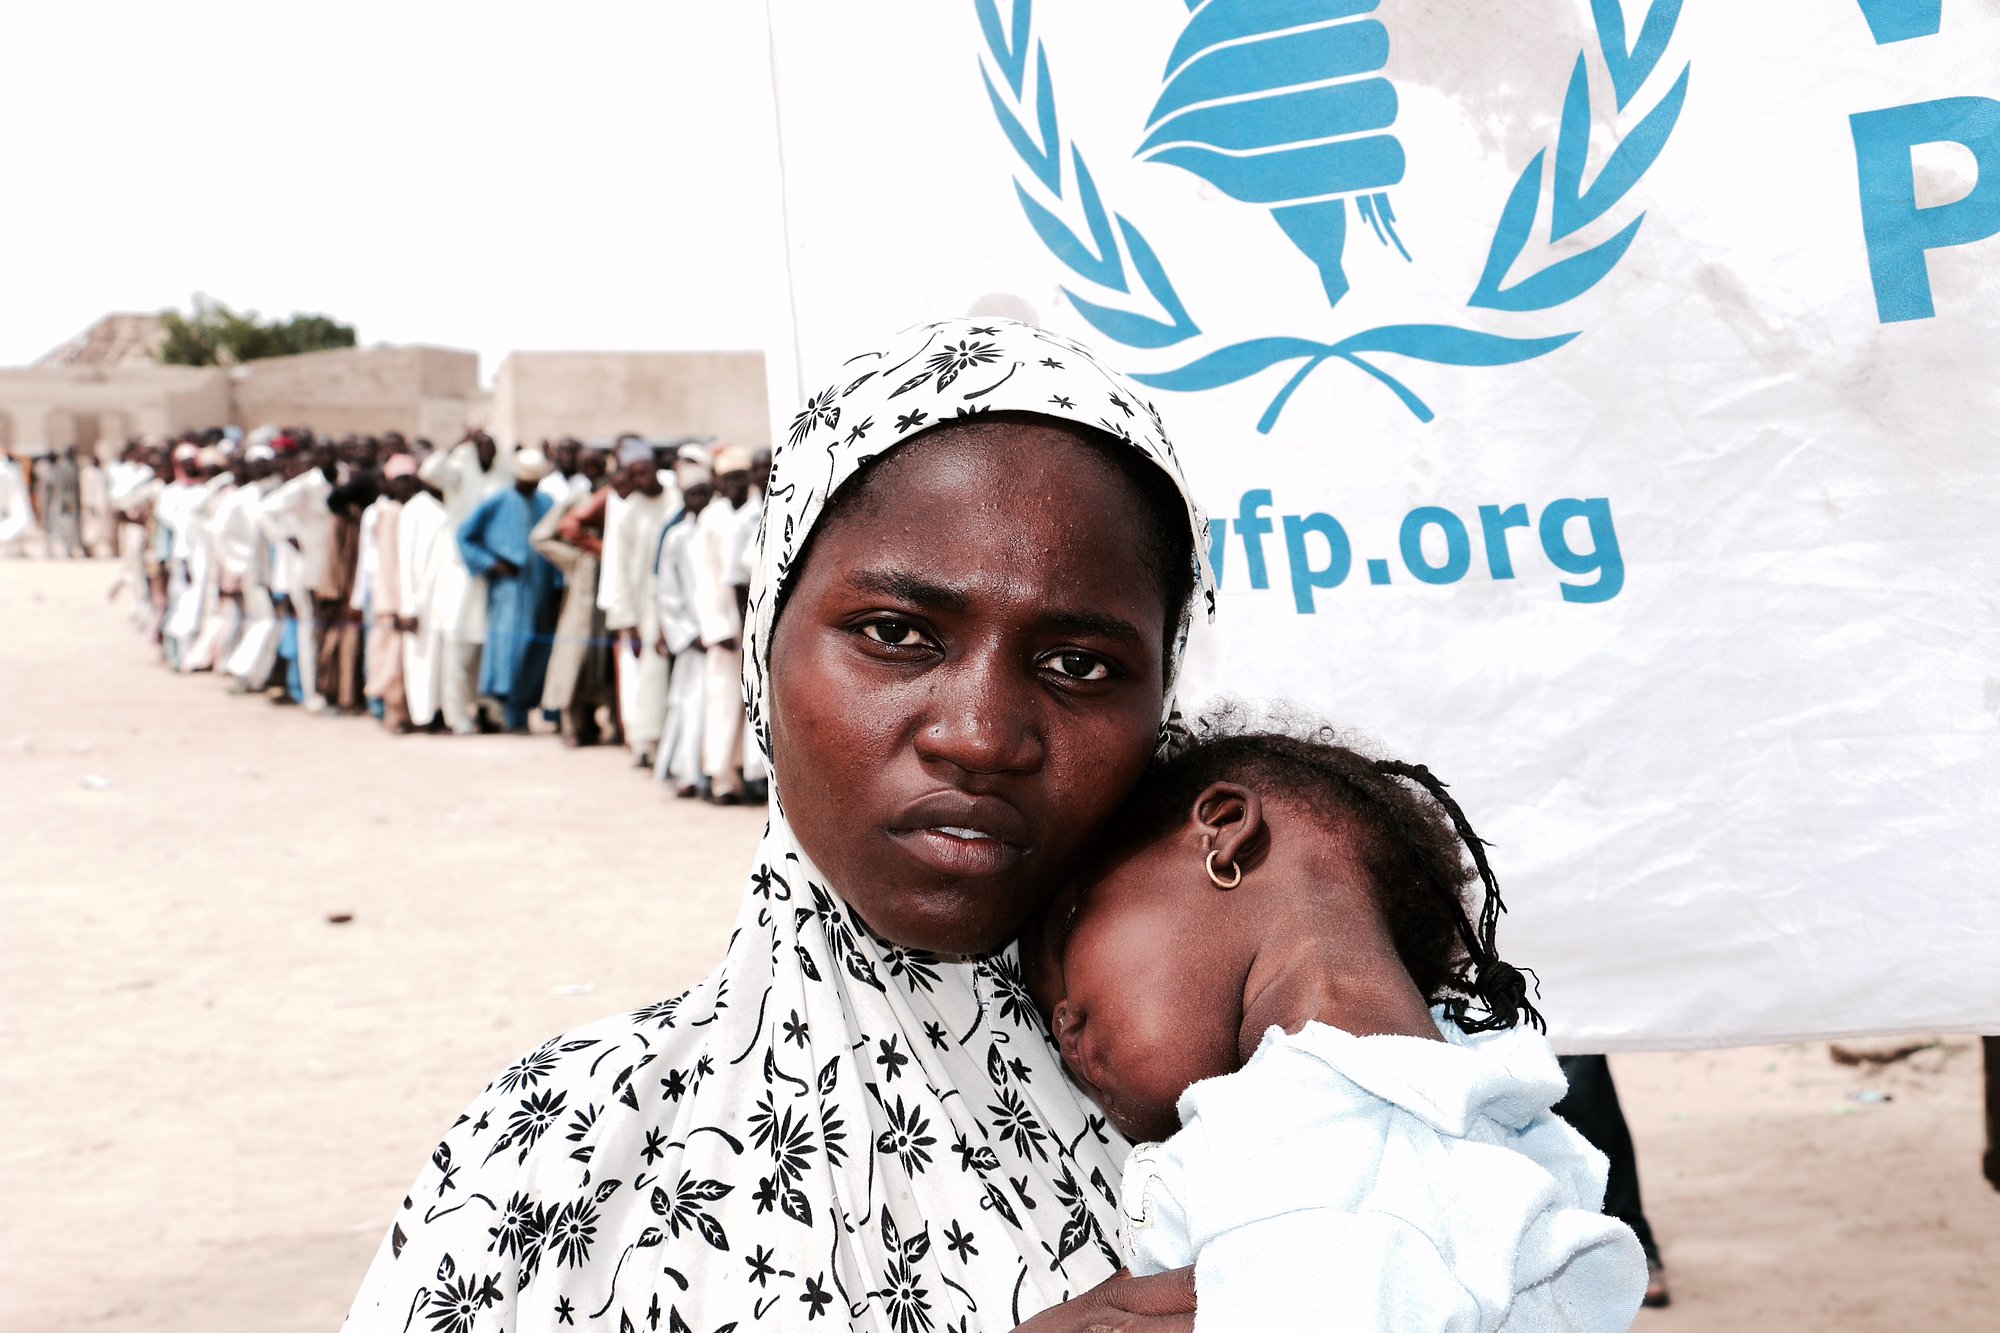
(981, 719)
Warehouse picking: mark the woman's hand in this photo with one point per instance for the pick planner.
(1163, 1303)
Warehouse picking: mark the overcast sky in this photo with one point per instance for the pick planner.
(490, 176)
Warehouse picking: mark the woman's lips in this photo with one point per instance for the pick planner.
(961, 835)
(960, 852)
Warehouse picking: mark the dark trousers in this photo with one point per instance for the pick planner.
(338, 636)
(1992, 1163)
(1592, 1109)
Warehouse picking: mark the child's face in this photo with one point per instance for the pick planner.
(1137, 970)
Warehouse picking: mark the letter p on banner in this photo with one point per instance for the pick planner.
(1897, 232)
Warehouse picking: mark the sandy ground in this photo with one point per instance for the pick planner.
(215, 1097)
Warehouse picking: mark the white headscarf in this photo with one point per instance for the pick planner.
(829, 1127)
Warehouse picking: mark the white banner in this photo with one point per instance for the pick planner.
(1595, 403)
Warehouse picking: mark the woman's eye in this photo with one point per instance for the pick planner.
(1079, 666)
(893, 633)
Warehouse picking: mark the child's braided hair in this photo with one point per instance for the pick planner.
(1406, 829)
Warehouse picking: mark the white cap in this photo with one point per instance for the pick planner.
(531, 465)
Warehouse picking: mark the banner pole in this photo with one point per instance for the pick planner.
(784, 203)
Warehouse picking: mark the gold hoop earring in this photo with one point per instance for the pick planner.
(1218, 880)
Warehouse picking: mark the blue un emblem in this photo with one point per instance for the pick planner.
(1283, 105)
(1284, 119)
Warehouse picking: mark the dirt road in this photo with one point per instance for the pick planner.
(216, 1096)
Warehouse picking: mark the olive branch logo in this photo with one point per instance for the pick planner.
(1138, 306)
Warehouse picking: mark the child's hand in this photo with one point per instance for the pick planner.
(1163, 1303)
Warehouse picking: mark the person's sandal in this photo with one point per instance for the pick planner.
(1657, 1295)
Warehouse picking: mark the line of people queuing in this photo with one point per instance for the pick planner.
(64, 493)
(597, 587)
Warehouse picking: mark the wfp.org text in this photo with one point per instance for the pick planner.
(1433, 545)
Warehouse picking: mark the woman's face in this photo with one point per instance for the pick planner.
(967, 678)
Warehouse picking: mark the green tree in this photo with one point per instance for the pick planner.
(212, 334)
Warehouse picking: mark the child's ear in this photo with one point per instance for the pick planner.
(1230, 818)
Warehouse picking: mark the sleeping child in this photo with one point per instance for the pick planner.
(1271, 981)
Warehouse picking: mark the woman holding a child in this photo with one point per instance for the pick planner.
(979, 565)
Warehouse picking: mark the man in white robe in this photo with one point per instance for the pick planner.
(133, 483)
(367, 557)
(17, 514)
(296, 514)
(176, 612)
(59, 487)
(426, 552)
(620, 451)
(243, 558)
(97, 516)
(719, 613)
(632, 527)
(679, 759)
(464, 476)
(215, 618)
(281, 574)
(376, 595)
(182, 512)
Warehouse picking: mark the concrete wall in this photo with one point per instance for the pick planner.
(421, 391)
(431, 392)
(545, 395)
(49, 407)
(427, 391)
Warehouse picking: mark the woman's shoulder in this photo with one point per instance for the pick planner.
(543, 1130)
(545, 1105)
(577, 1071)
